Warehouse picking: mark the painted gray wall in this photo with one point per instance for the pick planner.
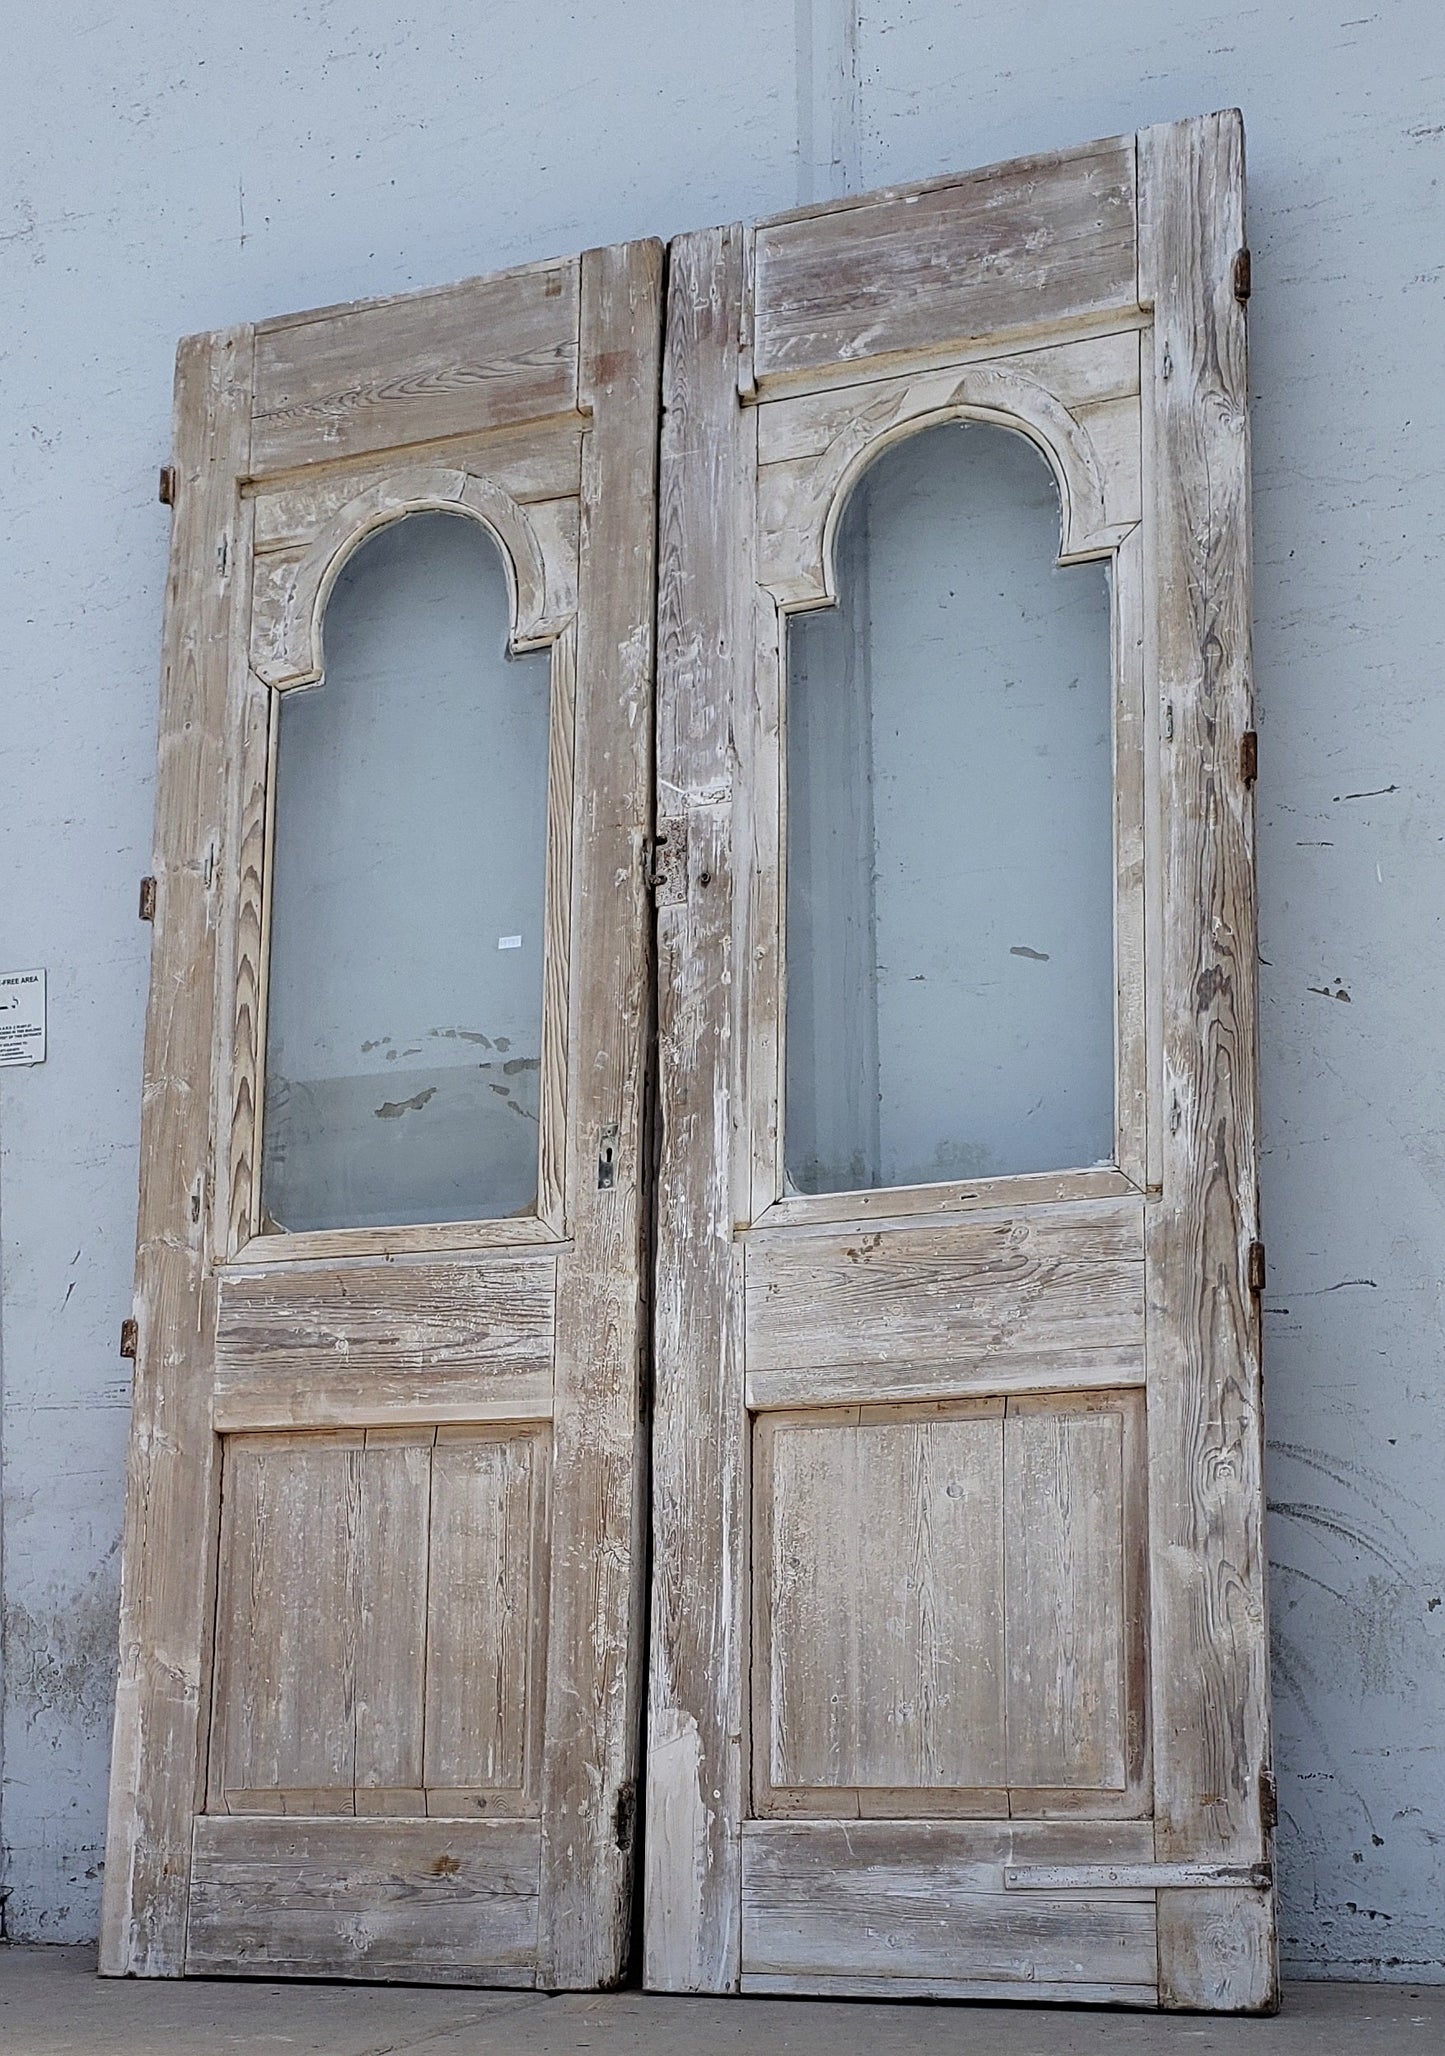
(167, 169)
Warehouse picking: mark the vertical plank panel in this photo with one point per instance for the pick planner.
(594, 1650)
(1211, 1718)
(808, 1549)
(483, 1610)
(165, 1585)
(391, 1629)
(1064, 1490)
(289, 1604)
(880, 1536)
(699, 1547)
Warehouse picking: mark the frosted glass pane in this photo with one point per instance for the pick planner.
(404, 1016)
(950, 832)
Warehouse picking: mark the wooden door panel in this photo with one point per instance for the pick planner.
(413, 1342)
(434, 1901)
(987, 1305)
(1039, 241)
(379, 1710)
(957, 1495)
(486, 1596)
(950, 1608)
(345, 380)
(921, 1907)
(880, 1628)
(377, 1629)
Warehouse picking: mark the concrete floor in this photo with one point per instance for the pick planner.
(51, 2003)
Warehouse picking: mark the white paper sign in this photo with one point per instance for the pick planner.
(22, 1017)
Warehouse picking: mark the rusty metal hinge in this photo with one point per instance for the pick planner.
(1268, 1802)
(147, 899)
(168, 483)
(1249, 756)
(1256, 1269)
(1242, 276)
(667, 870)
(129, 1338)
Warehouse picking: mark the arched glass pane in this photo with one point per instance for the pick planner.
(404, 1010)
(950, 832)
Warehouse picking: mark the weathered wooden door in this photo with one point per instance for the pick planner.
(379, 1693)
(958, 1644)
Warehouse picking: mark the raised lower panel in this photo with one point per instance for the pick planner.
(949, 1609)
(443, 1901)
(912, 1909)
(378, 1623)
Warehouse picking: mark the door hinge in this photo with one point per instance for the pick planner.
(1241, 276)
(625, 1816)
(167, 485)
(1268, 1802)
(1256, 1267)
(129, 1338)
(147, 899)
(1249, 756)
(667, 865)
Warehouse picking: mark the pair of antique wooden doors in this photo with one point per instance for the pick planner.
(771, 1060)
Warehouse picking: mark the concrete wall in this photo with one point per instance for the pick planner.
(165, 169)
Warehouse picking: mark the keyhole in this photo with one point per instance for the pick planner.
(607, 1161)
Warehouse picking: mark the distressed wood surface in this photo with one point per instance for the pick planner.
(972, 1294)
(890, 1899)
(1211, 1687)
(887, 1206)
(451, 1902)
(488, 353)
(879, 1575)
(1016, 246)
(486, 1601)
(381, 1599)
(698, 1644)
(595, 1638)
(531, 463)
(167, 1560)
(1082, 374)
(412, 1341)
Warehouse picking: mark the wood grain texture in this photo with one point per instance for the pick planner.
(879, 1571)
(379, 1622)
(534, 462)
(1211, 1703)
(698, 1644)
(411, 1341)
(486, 1602)
(874, 1901)
(1064, 1595)
(595, 1638)
(167, 1564)
(488, 353)
(1019, 245)
(451, 1902)
(969, 1296)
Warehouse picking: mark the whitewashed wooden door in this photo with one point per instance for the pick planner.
(958, 1673)
(380, 1646)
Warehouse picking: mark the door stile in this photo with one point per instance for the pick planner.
(594, 1641)
(166, 1596)
(1211, 1683)
(696, 1717)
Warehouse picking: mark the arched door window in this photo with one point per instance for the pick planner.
(404, 1010)
(950, 867)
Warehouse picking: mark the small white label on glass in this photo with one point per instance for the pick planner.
(509, 942)
(22, 1017)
